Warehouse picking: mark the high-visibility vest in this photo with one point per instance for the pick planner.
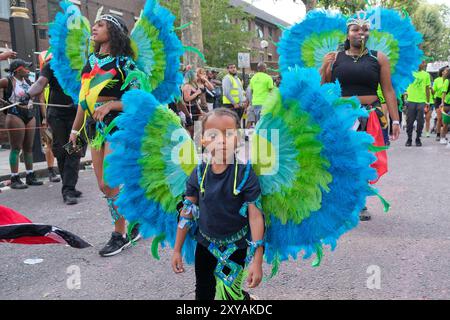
(234, 92)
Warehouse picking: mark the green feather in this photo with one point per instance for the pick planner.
(319, 255)
(79, 46)
(153, 164)
(311, 46)
(373, 148)
(296, 202)
(184, 26)
(195, 50)
(155, 243)
(386, 205)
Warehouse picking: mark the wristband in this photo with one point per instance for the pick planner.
(75, 132)
(253, 246)
(190, 208)
(395, 122)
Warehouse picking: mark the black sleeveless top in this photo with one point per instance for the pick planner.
(359, 78)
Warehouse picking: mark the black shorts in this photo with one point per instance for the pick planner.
(25, 114)
(91, 124)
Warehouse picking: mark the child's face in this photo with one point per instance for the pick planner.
(220, 138)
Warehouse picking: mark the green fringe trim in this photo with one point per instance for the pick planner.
(155, 243)
(100, 138)
(375, 149)
(386, 205)
(223, 292)
(273, 70)
(195, 50)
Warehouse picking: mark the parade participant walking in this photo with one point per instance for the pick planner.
(445, 108)
(108, 67)
(233, 91)
(418, 103)
(438, 86)
(60, 121)
(359, 71)
(219, 221)
(261, 84)
(20, 122)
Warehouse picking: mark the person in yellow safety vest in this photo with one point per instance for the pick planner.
(233, 91)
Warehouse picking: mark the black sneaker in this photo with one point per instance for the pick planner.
(408, 143)
(364, 215)
(115, 245)
(32, 181)
(135, 235)
(77, 193)
(16, 183)
(70, 199)
(52, 175)
(418, 142)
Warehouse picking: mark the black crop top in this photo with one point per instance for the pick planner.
(359, 78)
(122, 65)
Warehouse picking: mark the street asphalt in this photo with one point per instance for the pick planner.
(403, 254)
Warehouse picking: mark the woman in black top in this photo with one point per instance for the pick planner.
(112, 56)
(359, 71)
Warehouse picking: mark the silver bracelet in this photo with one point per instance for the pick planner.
(395, 122)
(75, 132)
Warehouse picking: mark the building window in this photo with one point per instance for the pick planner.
(244, 26)
(270, 32)
(42, 34)
(259, 30)
(4, 9)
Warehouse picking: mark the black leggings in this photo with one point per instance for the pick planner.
(205, 264)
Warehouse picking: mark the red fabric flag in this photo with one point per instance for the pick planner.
(15, 228)
(374, 129)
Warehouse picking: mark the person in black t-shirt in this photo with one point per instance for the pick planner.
(227, 194)
(60, 120)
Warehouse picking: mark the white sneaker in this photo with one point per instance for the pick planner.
(443, 141)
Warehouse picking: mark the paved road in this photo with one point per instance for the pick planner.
(409, 247)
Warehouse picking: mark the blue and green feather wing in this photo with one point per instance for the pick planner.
(307, 42)
(339, 158)
(70, 46)
(158, 50)
(152, 158)
(395, 36)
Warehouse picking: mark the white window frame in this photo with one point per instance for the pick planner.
(7, 14)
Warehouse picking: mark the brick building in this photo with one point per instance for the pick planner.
(265, 27)
(41, 12)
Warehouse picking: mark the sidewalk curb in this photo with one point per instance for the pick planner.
(41, 173)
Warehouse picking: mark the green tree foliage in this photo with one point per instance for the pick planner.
(428, 20)
(225, 30)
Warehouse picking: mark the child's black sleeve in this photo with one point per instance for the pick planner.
(252, 189)
(192, 186)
